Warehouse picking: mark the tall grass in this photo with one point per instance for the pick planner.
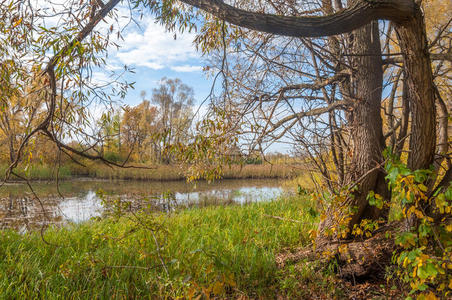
(222, 251)
(41, 171)
(153, 173)
(175, 172)
(306, 180)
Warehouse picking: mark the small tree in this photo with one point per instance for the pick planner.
(139, 126)
(174, 101)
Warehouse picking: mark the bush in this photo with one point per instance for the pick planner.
(423, 258)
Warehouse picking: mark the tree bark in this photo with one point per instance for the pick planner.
(368, 139)
(421, 94)
(420, 91)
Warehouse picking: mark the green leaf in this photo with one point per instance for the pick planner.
(421, 175)
(431, 269)
(422, 287)
(405, 171)
(392, 175)
(448, 193)
(424, 230)
(427, 270)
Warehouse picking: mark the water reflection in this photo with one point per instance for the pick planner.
(81, 202)
(24, 213)
(77, 209)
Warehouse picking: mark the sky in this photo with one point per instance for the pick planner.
(154, 53)
(146, 47)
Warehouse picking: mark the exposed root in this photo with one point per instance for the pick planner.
(356, 260)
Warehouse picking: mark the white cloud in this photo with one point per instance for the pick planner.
(113, 67)
(157, 49)
(147, 45)
(186, 68)
(99, 78)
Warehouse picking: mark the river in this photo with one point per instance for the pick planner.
(82, 199)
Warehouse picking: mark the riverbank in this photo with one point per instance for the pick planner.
(97, 170)
(215, 251)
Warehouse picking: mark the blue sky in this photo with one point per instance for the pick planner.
(146, 79)
(153, 53)
(146, 47)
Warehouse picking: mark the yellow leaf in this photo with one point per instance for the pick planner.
(431, 296)
(410, 211)
(422, 187)
(418, 213)
(218, 288)
(405, 262)
(206, 292)
(230, 280)
(17, 23)
(191, 293)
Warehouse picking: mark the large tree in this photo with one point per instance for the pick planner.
(359, 79)
(364, 89)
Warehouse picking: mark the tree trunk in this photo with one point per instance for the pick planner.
(421, 94)
(368, 139)
(420, 91)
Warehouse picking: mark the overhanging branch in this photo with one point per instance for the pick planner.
(343, 21)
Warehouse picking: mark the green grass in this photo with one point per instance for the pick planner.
(41, 172)
(222, 251)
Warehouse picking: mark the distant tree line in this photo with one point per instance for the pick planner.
(142, 133)
(147, 131)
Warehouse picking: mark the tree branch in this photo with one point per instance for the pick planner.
(312, 112)
(85, 31)
(343, 21)
(316, 85)
(433, 56)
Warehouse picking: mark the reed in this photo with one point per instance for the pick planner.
(41, 171)
(152, 173)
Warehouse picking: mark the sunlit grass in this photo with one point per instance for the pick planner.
(219, 250)
(38, 171)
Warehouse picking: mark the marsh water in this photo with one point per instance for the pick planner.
(82, 199)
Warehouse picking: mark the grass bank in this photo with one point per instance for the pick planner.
(215, 251)
(41, 171)
(155, 173)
